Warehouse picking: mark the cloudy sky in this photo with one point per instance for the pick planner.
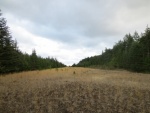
(71, 30)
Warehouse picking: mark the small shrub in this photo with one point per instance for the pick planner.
(74, 72)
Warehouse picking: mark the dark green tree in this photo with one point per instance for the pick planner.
(13, 60)
(8, 49)
(132, 53)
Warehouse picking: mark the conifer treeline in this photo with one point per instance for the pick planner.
(13, 60)
(132, 53)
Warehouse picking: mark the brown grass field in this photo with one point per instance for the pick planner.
(75, 90)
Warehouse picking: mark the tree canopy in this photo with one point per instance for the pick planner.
(13, 60)
(131, 53)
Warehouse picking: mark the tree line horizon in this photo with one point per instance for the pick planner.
(132, 53)
(13, 60)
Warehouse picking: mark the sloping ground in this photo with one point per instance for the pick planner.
(75, 90)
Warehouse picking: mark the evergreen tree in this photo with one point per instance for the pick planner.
(34, 60)
(145, 46)
(13, 60)
(132, 53)
(8, 49)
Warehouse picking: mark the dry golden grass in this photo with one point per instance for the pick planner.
(75, 90)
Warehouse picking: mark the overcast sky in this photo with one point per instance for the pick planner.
(71, 30)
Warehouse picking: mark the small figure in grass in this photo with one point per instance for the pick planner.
(74, 72)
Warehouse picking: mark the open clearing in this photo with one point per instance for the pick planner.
(75, 90)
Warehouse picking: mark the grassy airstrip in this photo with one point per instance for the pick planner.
(75, 90)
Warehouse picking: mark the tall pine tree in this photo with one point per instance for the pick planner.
(8, 49)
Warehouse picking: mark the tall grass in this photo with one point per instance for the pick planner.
(87, 90)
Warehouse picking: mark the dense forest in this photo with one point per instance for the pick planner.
(132, 53)
(13, 60)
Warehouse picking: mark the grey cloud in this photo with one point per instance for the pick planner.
(84, 17)
(90, 16)
(137, 3)
(80, 23)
